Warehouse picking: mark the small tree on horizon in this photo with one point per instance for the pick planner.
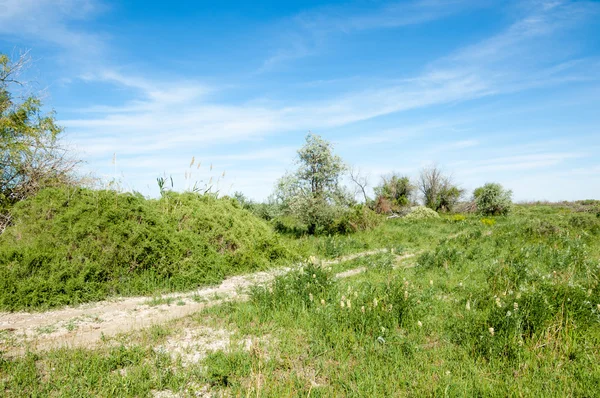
(439, 192)
(492, 199)
(313, 191)
(395, 192)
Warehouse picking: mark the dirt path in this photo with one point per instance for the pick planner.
(86, 324)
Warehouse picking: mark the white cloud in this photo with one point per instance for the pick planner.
(49, 21)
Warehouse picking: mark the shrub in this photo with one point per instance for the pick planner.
(493, 200)
(359, 218)
(71, 246)
(421, 213)
(395, 190)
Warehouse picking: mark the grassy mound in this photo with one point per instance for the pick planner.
(71, 246)
(421, 213)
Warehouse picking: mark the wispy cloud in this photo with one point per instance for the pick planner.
(51, 21)
(180, 114)
(307, 33)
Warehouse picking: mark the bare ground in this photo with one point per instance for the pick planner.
(88, 324)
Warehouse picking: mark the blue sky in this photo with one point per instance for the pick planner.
(489, 90)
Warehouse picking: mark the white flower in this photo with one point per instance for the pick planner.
(375, 302)
(362, 309)
(431, 282)
(342, 304)
(405, 294)
(322, 302)
(508, 313)
(468, 306)
(516, 306)
(348, 304)
(310, 296)
(491, 330)
(420, 324)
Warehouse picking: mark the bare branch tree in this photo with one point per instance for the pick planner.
(361, 182)
(439, 191)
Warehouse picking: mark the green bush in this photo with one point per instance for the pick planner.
(493, 200)
(421, 213)
(70, 246)
(358, 218)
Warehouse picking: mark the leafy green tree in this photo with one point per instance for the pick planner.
(313, 193)
(396, 190)
(30, 155)
(493, 200)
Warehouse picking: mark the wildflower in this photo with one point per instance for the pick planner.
(420, 324)
(390, 308)
(447, 373)
(342, 304)
(362, 309)
(405, 294)
(322, 302)
(310, 297)
(468, 306)
(314, 276)
(598, 307)
(498, 302)
(431, 282)
(375, 302)
(508, 313)
(348, 304)
(516, 306)
(460, 284)
(491, 330)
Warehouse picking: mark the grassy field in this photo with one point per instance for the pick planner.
(506, 306)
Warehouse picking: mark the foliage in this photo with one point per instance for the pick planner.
(69, 246)
(438, 190)
(313, 193)
(493, 200)
(396, 190)
(30, 155)
(358, 218)
(421, 213)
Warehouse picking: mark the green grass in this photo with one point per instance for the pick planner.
(502, 308)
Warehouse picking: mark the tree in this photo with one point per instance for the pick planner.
(493, 200)
(30, 155)
(394, 192)
(313, 192)
(361, 182)
(439, 191)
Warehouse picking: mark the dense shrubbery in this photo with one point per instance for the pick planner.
(493, 200)
(75, 245)
(394, 193)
